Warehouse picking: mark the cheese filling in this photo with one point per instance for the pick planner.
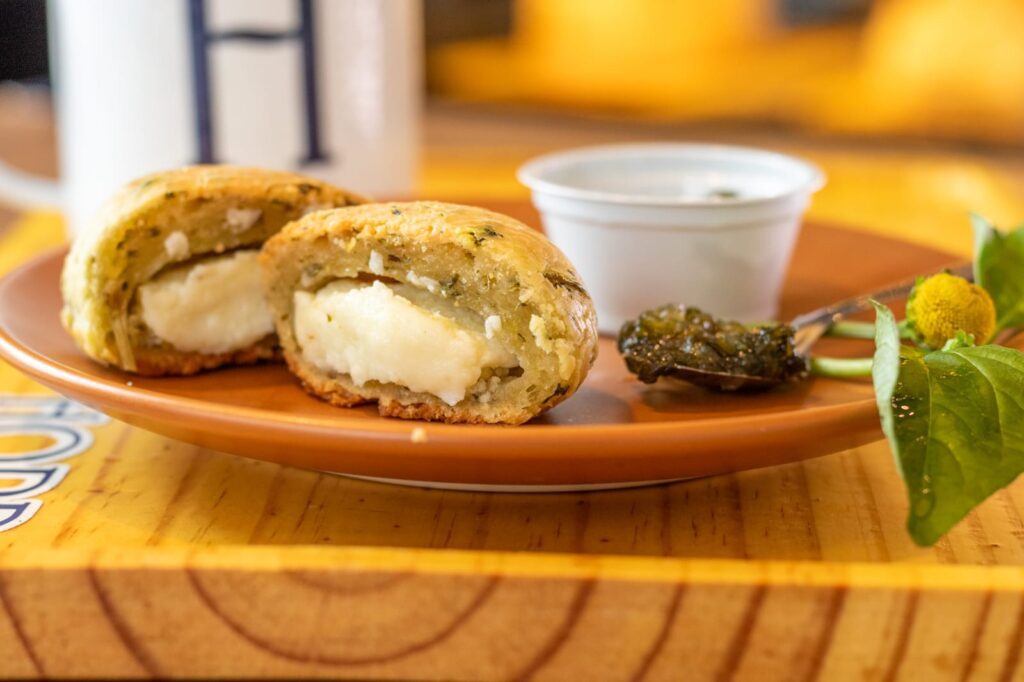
(214, 306)
(373, 334)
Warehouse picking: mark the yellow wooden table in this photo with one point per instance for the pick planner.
(158, 558)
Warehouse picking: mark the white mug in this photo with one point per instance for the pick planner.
(330, 88)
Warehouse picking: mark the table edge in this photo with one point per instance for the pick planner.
(521, 565)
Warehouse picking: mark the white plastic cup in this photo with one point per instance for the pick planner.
(648, 224)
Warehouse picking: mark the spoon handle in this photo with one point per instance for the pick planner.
(811, 326)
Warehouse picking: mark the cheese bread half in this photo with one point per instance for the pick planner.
(434, 311)
(166, 278)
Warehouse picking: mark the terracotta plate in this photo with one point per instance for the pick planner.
(614, 431)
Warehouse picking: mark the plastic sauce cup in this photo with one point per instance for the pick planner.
(703, 225)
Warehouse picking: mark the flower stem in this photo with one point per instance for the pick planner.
(841, 368)
(852, 329)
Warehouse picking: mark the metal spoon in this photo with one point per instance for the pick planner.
(808, 328)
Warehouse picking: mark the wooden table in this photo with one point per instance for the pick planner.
(157, 558)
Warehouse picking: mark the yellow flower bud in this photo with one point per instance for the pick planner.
(944, 304)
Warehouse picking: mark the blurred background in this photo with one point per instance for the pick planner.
(926, 69)
(915, 108)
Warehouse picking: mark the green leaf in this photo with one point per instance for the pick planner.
(961, 340)
(999, 269)
(885, 370)
(955, 422)
(983, 230)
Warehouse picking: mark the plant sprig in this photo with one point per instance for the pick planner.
(954, 417)
(952, 411)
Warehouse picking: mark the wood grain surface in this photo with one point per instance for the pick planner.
(455, 615)
(159, 559)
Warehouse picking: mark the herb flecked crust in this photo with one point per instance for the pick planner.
(124, 247)
(482, 262)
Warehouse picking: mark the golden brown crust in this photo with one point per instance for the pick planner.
(126, 245)
(490, 264)
(437, 413)
(156, 363)
(329, 390)
(323, 387)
